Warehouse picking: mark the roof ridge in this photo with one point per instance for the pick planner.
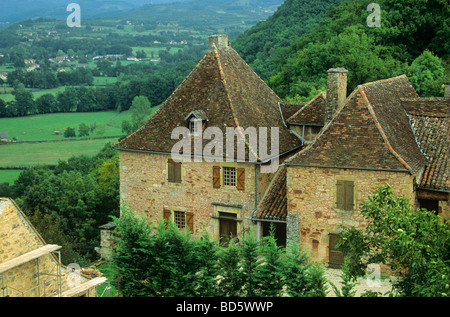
(380, 129)
(383, 80)
(236, 121)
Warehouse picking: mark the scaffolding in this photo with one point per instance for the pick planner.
(51, 287)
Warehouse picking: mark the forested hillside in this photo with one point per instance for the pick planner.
(260, 45)
(412, 39)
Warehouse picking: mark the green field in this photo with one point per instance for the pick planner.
(155, 50)
(27, 155)
(43, 127)
(36, 94)
(9, 176)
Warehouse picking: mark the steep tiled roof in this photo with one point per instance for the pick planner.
(288, 109)
(273, 206)
(428, 106)
(370, 130)
(312, 113)
(229, 93)
(429, 119)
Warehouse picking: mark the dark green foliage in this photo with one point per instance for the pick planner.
(74, 199)
(69, 132)
(337, 35)
(270, 273)
(164, 261)
(414, 244)
(348, 283)
(295, 271)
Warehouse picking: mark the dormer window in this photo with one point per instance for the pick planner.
(194, 126)
(196, 120)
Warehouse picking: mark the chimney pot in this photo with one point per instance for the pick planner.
(336, 91)
(218, 40)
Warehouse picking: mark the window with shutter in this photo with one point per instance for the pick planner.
(173, 171)
(216, 176)
(190, 221)
(345, 195)
(240, 184)
(229, 176)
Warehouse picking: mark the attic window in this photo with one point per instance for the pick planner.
(195, 120)
(194, 126)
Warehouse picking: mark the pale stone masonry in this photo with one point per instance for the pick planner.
(312, 194)
(144, 185)
(28, 266)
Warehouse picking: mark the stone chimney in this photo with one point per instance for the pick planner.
(219, 40)
(336, 91)
(447, 90)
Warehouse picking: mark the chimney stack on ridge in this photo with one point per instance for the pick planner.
(219, 40)
(336, 91)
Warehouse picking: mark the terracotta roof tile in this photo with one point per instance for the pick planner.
(370, 130)
(227, 91)
(312, 113)
(429, 119)
(273, 206)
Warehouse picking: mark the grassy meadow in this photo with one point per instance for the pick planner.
(41, 128)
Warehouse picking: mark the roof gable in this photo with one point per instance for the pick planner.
(370, 130)
(313, 113)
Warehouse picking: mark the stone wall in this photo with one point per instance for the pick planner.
(144, 186)
(31, 279)
(311, 194)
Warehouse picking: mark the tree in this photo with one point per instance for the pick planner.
(140, 110)
(426, 74)
(69, 132)
(127, 127)
(414, 244)
(24, 100)
(46, 104)
(295, 270)
(83, 129)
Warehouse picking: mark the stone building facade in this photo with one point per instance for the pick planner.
(31, 268)
(334, 152)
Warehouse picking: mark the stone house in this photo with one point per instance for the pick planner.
(31, 268)
(381, 133)
(334, 151)
(218, 195)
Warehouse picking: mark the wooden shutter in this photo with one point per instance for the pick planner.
(170, 171)
(166, 216)
(340, 194)
(348, 195)
(216, 176)
(345, 195)
(240, 178)
(190, 221)
(176, 172)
